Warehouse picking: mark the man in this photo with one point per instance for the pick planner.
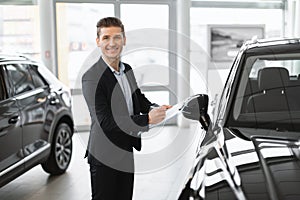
(119, 113)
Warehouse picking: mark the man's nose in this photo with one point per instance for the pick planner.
(112, 42)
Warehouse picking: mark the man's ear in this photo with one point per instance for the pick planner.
(98, 42)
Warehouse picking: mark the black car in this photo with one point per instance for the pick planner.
(252, 148)
(36, 124)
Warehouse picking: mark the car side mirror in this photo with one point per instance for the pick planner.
(195, 108)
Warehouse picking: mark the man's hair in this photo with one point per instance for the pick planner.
(109, 22)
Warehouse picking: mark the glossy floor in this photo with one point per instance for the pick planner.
(161, 168)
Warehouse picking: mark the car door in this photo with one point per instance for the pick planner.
(10, 129)
(31, 93)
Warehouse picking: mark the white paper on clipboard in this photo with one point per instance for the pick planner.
(170, 113)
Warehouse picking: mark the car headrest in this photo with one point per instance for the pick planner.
(272, 77)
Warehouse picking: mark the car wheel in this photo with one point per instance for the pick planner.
(61, 151)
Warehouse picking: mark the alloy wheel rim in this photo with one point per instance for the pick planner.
(63, 148)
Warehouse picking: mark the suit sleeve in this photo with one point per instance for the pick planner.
(145, 104)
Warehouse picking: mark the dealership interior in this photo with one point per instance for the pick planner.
(174, 50)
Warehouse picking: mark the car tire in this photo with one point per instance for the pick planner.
(61, 151)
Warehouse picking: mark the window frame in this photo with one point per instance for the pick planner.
(4, 85)
(34, 68)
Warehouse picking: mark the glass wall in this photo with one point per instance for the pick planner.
(271, 18)
(19, 29)
(76, 36)
(139, 16)
(76, 41)
(147, 49)
(204, 18)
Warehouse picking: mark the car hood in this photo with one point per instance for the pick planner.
(258, 167)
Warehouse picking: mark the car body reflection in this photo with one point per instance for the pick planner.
(252, 148)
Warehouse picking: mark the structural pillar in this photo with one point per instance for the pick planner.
(48, 33)
(293, 18)
(183, 55)
(297, 19)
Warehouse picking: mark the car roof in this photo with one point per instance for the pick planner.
(4, 57)
(272, 41)
(47, 74)
(274, 45)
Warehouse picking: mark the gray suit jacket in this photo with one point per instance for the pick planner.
(113, 131)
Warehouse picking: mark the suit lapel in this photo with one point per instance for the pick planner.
(113, 85)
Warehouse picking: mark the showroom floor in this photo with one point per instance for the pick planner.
(161, 168)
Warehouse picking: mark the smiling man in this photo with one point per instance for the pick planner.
(119, 113)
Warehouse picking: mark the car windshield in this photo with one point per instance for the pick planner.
(268, 93)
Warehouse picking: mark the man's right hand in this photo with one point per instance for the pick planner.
(157, 115)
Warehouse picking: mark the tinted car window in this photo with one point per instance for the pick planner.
(20, 78)
(268, 93)
(2, 87)
(38, 81)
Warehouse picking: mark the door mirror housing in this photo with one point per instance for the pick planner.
(195, 108)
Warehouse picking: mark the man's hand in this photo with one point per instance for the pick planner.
(167, 106)
(158, 114)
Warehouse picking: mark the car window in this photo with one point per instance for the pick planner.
(227, 88)
(20, 78)
(38, 81)
(269, 92)
(2, 87)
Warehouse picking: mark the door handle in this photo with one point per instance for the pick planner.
(13, 119)
(41, 99)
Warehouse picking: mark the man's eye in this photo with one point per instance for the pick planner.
(118, 37)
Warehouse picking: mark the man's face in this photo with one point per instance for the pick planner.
(111, 41)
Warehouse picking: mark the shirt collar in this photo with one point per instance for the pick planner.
(121, 71)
